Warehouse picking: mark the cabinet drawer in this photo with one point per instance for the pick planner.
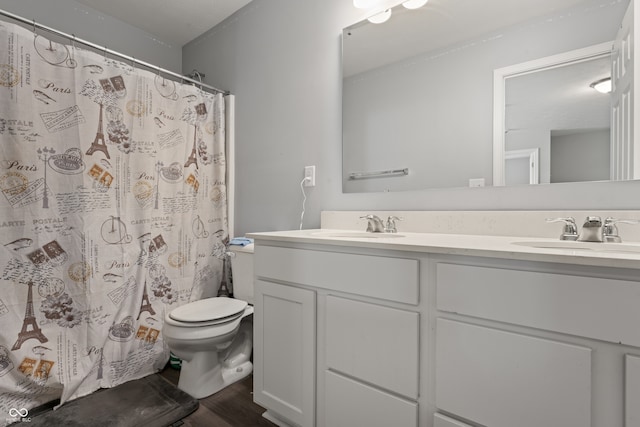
(373, 343)
(503, 379)
(393, 279)
(350, 403)
(440, 420)
(632, 391)
(603, 309)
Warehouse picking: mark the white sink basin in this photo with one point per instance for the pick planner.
(356, 235)
(583, 246)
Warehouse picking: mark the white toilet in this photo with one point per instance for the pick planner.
(214, 336)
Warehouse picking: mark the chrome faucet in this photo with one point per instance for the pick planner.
(374, 224)
(570, 229)
(592, 230)
(390, 226)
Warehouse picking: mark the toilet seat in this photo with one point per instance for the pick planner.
(208, 312)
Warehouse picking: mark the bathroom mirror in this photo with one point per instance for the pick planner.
(418, 91)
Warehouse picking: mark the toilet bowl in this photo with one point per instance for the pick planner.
(214, 336)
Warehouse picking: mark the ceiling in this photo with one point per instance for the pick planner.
(179, 22)
(173, 22)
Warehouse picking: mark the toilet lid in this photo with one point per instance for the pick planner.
(208, 309)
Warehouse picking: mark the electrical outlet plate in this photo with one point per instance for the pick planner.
(476, 182)
(310, 173)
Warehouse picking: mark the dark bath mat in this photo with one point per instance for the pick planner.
(151, 401)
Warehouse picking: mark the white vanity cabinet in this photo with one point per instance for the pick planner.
(360, 335)
(341, 318)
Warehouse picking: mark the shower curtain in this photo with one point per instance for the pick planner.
(112, 212)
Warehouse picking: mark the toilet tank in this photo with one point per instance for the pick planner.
(242, 272)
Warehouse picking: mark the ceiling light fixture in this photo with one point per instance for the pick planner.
(414, 4)
(602, 85)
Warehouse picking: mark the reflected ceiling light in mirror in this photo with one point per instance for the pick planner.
(381, 17)
(414, 4)
(365, 4)
(602, 85)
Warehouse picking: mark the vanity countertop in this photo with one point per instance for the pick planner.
(620, 255)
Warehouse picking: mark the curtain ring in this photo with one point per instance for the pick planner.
(73, 50)
(199, 77)
(133, 63)
(164, 82)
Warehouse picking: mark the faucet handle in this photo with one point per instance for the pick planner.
(611, 221)
(610, 231)
(374, 223)
(390, 227)
(570, 229)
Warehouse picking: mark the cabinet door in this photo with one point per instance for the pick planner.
(284, 351)
(503, 379)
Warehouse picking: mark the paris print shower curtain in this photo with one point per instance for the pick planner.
(112, 212)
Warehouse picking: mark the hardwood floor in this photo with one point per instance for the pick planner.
(230, 407)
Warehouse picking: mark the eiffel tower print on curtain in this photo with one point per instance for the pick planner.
(98, 143)
(145, 304)
(193, 158)
(29, 321)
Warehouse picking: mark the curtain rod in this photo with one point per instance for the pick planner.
(72, 37)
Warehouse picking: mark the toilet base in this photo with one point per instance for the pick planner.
(211, 382)
(206, 374)
(201, 384)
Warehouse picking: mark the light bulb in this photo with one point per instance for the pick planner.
(414, 4)
(602, 85)
(381, 17)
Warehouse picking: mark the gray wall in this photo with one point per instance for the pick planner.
(282, 60)
(581, 156)
(86, 23)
